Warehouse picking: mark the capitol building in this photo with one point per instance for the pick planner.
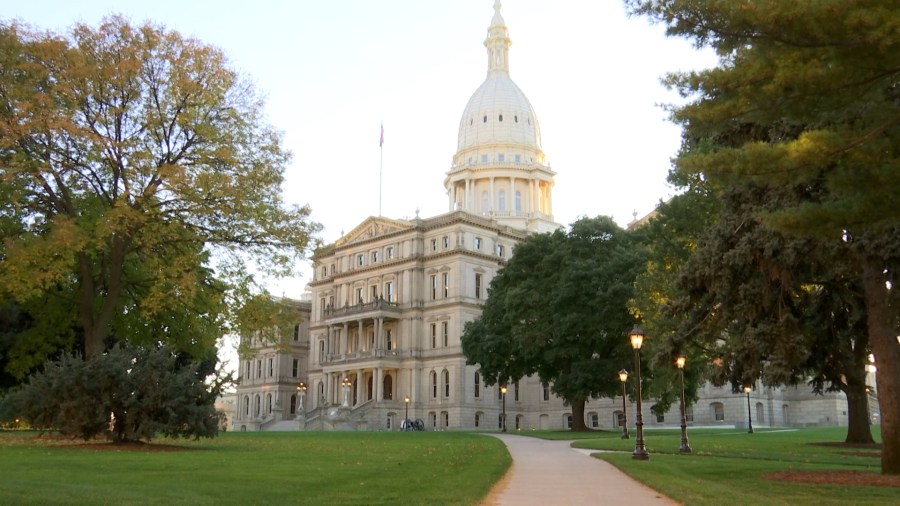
(378, 341)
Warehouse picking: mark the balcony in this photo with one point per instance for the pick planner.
(379, 304)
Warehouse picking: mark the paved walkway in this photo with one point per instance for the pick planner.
(553, 473)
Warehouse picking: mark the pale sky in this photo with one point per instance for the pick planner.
(333, 71)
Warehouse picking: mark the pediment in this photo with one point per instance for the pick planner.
(373, 228)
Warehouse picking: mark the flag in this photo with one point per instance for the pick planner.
(381, 142)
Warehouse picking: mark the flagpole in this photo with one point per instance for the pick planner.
(380, 165)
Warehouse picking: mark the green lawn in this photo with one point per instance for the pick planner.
(258, 468)
(727, 466)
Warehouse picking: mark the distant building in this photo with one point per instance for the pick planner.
(390, 299)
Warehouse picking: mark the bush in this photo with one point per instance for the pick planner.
(128, 394)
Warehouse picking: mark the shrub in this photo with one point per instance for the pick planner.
(128, 394)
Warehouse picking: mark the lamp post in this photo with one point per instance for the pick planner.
(685, 447)
(503, 416)
(749, 416)
(406, 400)
(623, 377)
(637, 339)
(301, 389)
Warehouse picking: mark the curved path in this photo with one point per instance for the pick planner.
(552, 472)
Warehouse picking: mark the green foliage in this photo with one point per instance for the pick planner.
(138, 185)
(127, 394)
(559, 309)
(310, 468)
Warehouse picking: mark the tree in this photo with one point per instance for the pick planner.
(558, 309)
(139, 182)
(831, 69)
(127, 394)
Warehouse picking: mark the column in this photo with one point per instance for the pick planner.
(360, 337)
(359, 388)
(345, 337)
(493, 201)
(376, 383)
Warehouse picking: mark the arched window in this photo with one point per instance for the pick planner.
(594, 420)
(446, 384)
(256, 411)
(269, 403)
(501, 204)
(434, 386)
(293, 404)
(388, 385)
(247, 405)
(477, 385)
(321, 392)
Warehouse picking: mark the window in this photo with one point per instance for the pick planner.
(324, 271)
(359, 295)
(484, 159)
(518, 198)
(689, 413)
(445, 277)
(546, 389)
(321, 306)
(478, 243)
(660, 418)
(390, 252)
(387, 390)
(445, 419)
(595, 420)
(446, 240)
(388, 339)
(434, 245)
(293, 404)
(269, 403)
(257, 407)
(247, 370)
(619, 418)
(568, 421)
(485, 202)
(259, 368)
(485, 119)
(501, 117)
(516, 390)
(360, 259)
(516, 118)
(433, 286)
(478, 417)
(434, 386)
(332, 269)
(247, 405)
(477, 389)
(434, 335)
(501, 157)
(271, 367)
(518, 158)
(389, 291)
(297, 329)
(499, 250)
(519, 420)
(718, 411)
(433, 417)
(446, 384)
(373, 293)
(501, 197)
(321, 351)
(445, 334)
(374, 256)
(295, 368)
(477, 286)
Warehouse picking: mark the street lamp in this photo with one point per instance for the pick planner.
(685, 447)
(406, 400)
(749, 416)
(623, 377)
(301, 388)
(503, 416)
(637, 339)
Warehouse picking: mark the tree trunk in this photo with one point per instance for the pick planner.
(578, 415)
(883, 341)
(859, 430)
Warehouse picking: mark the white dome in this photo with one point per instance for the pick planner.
(498, 113)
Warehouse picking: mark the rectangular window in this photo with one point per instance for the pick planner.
(247, 371)
(433, 287)
(446, 282)
(477, 286)
(477, 385)
(434, 245)
(359, 295)
(595, 420)
(445, 333)
(516, 391)
(546, 389)
(373, 293)
(446, 242)
(374, 256)
(295, 368)
(297, 329)
(321, 305)
(446, 417)
(660, 418)
(434, 335)
(484, 159)
(360, 259)
(259, 368)
(499, 250)
(389, 291)
(271, 368)
(501, 157)
(390, 252)
(689, 413)
(388, 339)
(518, 158)
(478, 243)
(324, 271)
